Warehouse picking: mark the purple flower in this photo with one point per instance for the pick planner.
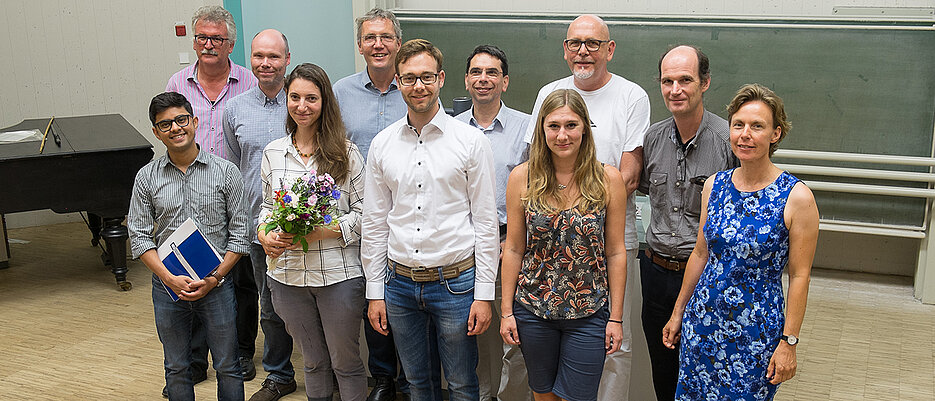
(287, 198)
(327, 218)
(305, 216)
(336, 194)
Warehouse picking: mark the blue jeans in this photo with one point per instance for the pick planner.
(413, 310)
(174, 324)
(277, 343)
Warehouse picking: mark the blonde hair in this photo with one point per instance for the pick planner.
(759, 93)
(542, 193)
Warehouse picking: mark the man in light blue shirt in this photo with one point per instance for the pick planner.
(486, 78)
(251, 121)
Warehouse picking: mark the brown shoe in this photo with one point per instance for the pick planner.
(272, 391)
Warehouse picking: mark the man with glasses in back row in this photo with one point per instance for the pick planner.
(619, 111)
(208, 85)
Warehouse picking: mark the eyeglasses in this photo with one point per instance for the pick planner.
(215, 40)
(182, 120)
(372, 39)
(427, 79)
(592, 45)
(491, 72)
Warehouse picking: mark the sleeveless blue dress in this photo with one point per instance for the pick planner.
(732, 324)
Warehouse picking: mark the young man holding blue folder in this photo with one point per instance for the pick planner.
(189, 183)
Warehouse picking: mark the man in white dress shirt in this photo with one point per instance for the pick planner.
(430, 234)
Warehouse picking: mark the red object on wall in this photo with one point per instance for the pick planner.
(180, 30)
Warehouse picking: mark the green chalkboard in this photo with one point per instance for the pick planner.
(859, 89)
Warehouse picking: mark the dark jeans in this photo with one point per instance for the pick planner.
(660, 290)
(173, 323)
(248, 309)
(277, 343)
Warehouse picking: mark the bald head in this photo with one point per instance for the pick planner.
(269, 57)
(588, 49)
(590, 23)
(690, 55)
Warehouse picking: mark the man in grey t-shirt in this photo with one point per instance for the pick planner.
(679, 153)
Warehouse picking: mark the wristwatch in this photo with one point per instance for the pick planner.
(221, 279)
(790, 339)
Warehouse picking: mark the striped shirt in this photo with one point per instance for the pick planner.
(252, 121)
(209, 134)
(327, 261)
(668, 169)
(210, 192)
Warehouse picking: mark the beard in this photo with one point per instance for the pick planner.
(582, 75)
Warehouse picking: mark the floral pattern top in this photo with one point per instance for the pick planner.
(564, 275)
(733, 321)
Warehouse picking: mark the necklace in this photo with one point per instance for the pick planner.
(296, 146)
(561, 187)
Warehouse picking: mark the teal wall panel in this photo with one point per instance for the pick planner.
(319, 31)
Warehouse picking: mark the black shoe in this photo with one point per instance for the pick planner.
(196, 378)
(247, 369)
(384, 389)
(272, 391)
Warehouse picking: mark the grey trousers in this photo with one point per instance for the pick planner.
(325, 323)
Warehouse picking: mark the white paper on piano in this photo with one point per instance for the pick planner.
(20, 136)
(187, 252)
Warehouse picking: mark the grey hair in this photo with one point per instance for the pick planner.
(376, 13)
(216, 14)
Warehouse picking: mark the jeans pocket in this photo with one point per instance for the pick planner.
(462, 284)
(390, 275)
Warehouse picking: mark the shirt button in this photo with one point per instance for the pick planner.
(418, 229)
(212, 148)
(419, 207)
(420, 185)
(420, 142)
(675, 209)
(678, 183)
(417, 251)
(212, 128)
(673, 233)
(419, 163)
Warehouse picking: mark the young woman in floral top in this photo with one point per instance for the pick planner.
(564, 259)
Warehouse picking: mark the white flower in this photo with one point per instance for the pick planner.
(290, 217)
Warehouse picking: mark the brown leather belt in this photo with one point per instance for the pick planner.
(422, 273)
(666, 263)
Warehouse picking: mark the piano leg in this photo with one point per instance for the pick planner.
(115, 235)
(95, 222)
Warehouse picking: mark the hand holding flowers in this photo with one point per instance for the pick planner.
(309, 202)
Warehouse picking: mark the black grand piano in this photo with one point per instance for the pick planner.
(91, 170)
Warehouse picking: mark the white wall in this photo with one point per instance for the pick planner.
(798, 8)
(79, 57)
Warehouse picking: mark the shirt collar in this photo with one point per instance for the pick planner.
(496, 120)
(366, 82)
(674, 133)
(202, 158)
(261, 97)
(438, 122)
(230, 74)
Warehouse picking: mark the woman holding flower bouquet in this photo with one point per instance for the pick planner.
(310, 230)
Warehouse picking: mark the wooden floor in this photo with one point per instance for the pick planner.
(67, 333)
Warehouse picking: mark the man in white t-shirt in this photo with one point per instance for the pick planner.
(619, 111)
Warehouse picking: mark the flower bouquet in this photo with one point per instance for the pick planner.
(309, 201)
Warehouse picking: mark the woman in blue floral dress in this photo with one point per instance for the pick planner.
(564, 258)
(737, 343)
